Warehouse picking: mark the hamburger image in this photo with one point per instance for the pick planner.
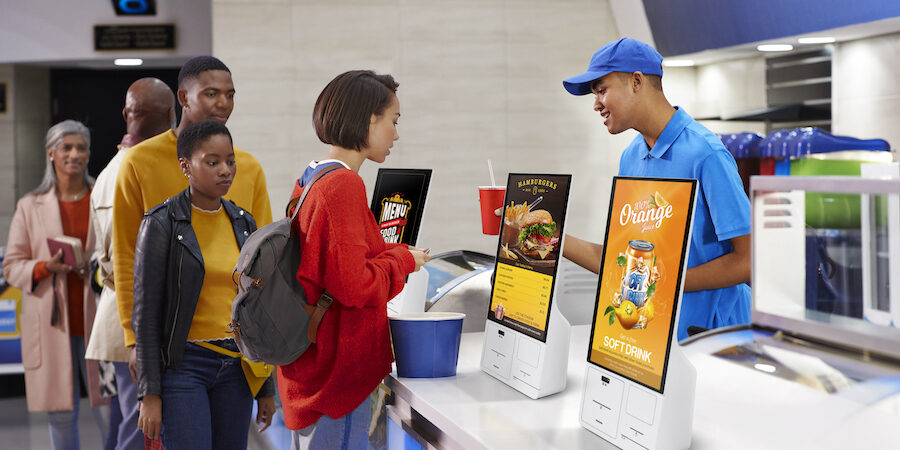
(536, 238)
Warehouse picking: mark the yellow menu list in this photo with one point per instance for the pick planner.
(525, 295)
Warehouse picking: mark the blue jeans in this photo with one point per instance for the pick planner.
(64, 424)
(348, 432)
(206, 401)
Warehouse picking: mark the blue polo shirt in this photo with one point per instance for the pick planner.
(686, 149)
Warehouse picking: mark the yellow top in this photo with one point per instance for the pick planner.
(220, 252)
(150, 174)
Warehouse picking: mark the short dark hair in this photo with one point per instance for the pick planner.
(343, 109)
(196, 133)
(197, 65)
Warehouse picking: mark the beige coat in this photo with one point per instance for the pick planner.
(107, 338)
(46, 348)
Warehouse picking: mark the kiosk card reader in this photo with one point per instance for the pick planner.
(526, 338)
(639, 386)
(398, 203)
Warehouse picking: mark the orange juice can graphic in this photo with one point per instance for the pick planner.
(636, 279)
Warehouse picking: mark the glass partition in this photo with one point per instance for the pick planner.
(821, 265)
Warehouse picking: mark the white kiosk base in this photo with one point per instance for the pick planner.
(632, 416)
(532, 367)
(412, 298)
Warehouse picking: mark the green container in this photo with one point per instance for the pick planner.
(828, 210)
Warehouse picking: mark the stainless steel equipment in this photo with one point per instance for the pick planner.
(460, 281)
(818, 372)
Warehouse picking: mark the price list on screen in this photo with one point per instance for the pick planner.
(524, 294)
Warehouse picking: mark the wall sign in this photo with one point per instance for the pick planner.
(134, 37)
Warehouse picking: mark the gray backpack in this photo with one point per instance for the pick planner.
(270, 317)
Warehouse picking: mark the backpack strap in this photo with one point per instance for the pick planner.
(298, 201)
(316, 313)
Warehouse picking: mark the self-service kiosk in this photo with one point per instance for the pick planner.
(526, 338)
(398, 204)
(639, 386)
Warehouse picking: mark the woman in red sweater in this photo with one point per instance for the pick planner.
(326, 392)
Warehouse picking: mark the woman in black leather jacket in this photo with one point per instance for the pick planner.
(195, 389)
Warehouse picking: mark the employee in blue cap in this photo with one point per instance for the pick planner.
(625, 77)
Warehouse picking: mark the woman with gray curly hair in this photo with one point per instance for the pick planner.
(57, 301)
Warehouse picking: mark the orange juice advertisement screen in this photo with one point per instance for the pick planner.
(534, 213)
(640, 277)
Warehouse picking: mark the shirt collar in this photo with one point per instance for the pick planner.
(673, 129)
(316, 164)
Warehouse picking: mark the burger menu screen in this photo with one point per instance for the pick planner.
(529, 248)
(398, 203)
(640, 277)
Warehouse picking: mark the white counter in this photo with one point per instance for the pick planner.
(735, 408)
(475, 410)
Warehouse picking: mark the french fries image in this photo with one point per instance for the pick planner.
(506, 253)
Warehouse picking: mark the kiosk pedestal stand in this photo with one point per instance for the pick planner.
(532, 367)
(635, 417)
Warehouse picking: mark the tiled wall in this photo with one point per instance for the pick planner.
(865, 93)
(7, 160)
(478, 79)
(22, 130)
(32, 119)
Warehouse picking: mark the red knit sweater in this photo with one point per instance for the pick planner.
(344, 253)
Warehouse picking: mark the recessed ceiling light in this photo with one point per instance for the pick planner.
(678, 62)
(775, 47)
(768, 368)
(128, 61)
(816, 40)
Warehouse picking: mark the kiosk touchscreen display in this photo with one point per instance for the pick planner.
(640, 277)
(528, 251)
(398, 203)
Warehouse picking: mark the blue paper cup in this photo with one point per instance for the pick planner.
(426, 345)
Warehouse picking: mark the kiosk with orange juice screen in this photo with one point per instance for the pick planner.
(639, 386)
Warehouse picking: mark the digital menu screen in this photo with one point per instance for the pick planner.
(528, 251)
(398, 203)
(640, 277)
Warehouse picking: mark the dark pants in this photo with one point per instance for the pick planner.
(206, 402)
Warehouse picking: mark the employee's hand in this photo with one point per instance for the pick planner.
(55, 264)
(265, 409)
(150, 418)
(420, 256)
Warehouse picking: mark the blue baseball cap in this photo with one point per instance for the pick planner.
(625, 55)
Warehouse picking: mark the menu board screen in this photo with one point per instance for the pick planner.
(640, 277)
(533, 217)
(398, 203)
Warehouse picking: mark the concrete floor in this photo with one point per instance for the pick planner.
(22, 430)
